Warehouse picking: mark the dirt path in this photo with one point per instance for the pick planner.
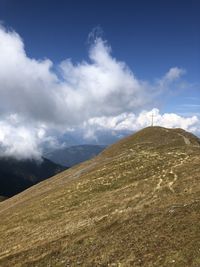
(186, 140)
(164, 177)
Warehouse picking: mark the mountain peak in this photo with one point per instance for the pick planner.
(155, 137)
(171, 136)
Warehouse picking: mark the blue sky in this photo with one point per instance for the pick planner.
(141, 32)
(157, 41)
(150, 36)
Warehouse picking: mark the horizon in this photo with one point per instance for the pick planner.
(93, 72)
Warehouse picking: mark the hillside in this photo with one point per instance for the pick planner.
(2, 198)
(135, 204)
(17, 175)
(73, 155)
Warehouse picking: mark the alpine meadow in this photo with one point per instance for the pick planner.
(99, 133)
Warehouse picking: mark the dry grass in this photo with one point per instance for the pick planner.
(136, 204)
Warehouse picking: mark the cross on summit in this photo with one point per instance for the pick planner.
(152, 121)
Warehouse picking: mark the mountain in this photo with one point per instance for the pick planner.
(2, 198)
(17, 175)
(135, 204)
(75, 154)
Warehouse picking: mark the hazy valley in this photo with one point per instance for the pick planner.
(70, 156)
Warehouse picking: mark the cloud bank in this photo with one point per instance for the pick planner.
(132, 122)
(38, 99)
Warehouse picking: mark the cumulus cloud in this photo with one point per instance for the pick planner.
(102, 86)
(18, 140)
(36, 100)
(131, 122)
(22, 140)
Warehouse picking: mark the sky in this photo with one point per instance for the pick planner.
(74, 72)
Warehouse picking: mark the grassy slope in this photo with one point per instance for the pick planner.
(136, 204)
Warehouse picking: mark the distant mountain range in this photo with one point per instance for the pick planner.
(15, 175)
(75, 154)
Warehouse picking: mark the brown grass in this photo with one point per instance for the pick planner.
(136, 204)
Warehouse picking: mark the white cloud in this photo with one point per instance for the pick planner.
(19, 141)
(102, 86)
(131, 122)
(174, 73)
(171, 76)
(36, 102)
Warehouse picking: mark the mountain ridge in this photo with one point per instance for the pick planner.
(73, 155)
(18, 175)
(135, 204)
